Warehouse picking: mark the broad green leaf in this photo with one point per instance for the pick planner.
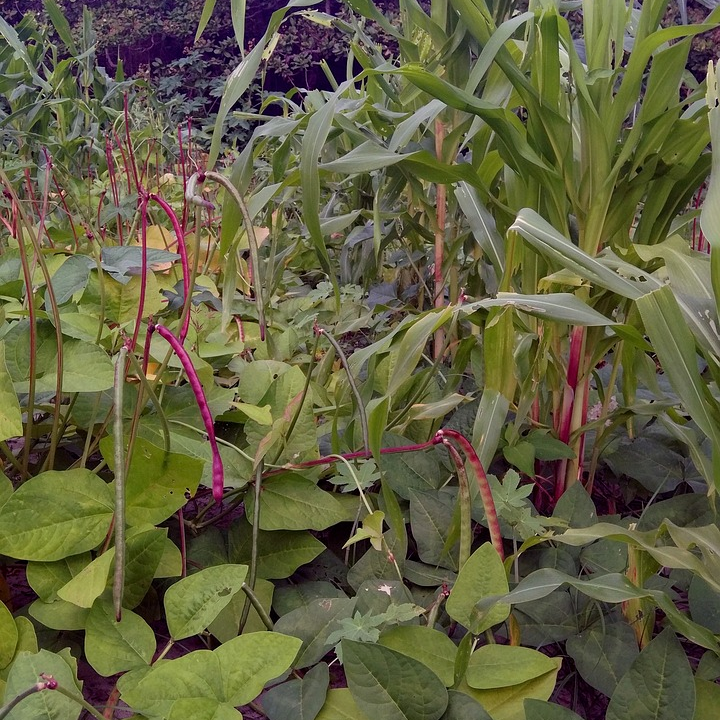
(156, 482)
(340, 705)
(313, 623)
(153, 692)
(202, 708)
(10, 413)
(120, 301)
(86, 368)
(603, 654)
(576, 507)
(113, 647)
(506, 703)
(482, 576)
(6, 488)
(193, 602)
(463, 707)
(704, 604)
(377, 421)
(89, 583)
(707, 698)
(144, 550)
(59, 614)
(431, 516)
(54, 515)
(542, 710)
(409, 471)
(250, 661)
(498, 666)
(658, 686)
(47, 705)
(8, 636)
(431, 647)
(294, 502)
(226, 625)
(46, 578)
(387, 684)
(300, 699)
(280, 552)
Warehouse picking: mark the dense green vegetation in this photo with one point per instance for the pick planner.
(414, 388)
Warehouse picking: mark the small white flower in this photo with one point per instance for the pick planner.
(386, 589)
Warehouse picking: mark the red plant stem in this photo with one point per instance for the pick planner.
(67, 212)
(218, 475)
(483, 486)
(31, 193)
(133, 164)
(570, 392)
(146, 164)
(331, 459)
(112, 175)
(143, 267)
(183, 170)
(182, 250)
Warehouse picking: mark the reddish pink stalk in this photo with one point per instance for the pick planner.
(133, 164)
(577, 337)
(483, 486)
(113, 186)
(218, 475)
(182, 250)
(143, 266)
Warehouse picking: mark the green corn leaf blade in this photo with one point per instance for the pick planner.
(61, 25)
(675, 346)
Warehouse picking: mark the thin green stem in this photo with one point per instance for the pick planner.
(254, 550)
(259, 609)
(118, 436)
(153, 398)
(194, 197)
(353, 386)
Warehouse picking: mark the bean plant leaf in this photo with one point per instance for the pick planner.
(603, 654)
(431, 647)
(300, 699)
(8, 636)
(280, 553)
(202, 708)
(542, 710)
(658, 686)
(482, 576)
(112, 647)
(25, 671)
(497, 666)
(463, 707)
(313, 624)
(387, 684)
(89, 583)
(10, 414)
(192, 603)
(55, 514)
(294, 502)
(340, 705)
(250, 661)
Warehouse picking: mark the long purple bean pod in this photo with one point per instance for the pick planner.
(182, 250)
(218, 473)
(483, 485)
